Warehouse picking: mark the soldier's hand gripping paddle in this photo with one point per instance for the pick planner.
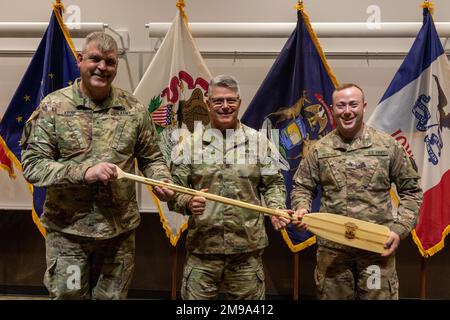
(344, 230)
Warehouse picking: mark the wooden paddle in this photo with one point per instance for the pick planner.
(274, 212)
(348, 231)
(344, 230)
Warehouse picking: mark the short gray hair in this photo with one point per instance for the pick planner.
(104, 41)
(223, 80)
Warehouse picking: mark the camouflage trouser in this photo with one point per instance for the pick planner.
(85, 268)
(355, 274)
(241, 275)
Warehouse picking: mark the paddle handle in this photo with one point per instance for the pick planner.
(273, 212)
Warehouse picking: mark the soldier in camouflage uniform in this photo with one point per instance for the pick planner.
(355, 166)
(225, 243)
(72, 145)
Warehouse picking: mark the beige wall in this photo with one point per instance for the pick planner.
(373, 74)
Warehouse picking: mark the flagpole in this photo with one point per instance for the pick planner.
(423, 263)
(423, 278)
(180, 5)
(296, 276)
(173, 293)
(298, 7)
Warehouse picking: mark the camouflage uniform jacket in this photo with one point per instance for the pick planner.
(69, 133)
(356, 179)
(225, 229)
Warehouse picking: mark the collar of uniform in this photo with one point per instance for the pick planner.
(364, 141)
(240, 128)
(81, 101)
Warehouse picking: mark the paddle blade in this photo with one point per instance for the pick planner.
(348, 231)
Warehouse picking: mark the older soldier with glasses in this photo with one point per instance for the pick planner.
(72, 145)
(224, 243)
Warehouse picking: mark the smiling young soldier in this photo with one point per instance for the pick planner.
(355, 166)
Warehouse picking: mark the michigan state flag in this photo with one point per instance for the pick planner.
(174, 87)
(295, 99)
(415, 111)
(52, 67)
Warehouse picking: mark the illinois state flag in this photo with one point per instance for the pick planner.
(294, 99)
(414, 111)
(174, 87)
(52, 67)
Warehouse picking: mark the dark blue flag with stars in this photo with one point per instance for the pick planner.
(295, 99)
(52, 67)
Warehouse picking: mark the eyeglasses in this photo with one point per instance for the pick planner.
(219, 101)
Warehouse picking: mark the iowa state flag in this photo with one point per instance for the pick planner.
(174, 87)
(52, 67)
(295, 98)
(414, 111)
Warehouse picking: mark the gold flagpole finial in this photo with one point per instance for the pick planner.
(180, 5)
(299, 5)
(428, 5)
(58, 5)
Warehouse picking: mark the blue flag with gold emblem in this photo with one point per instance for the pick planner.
(52, 67)
(295, 99)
